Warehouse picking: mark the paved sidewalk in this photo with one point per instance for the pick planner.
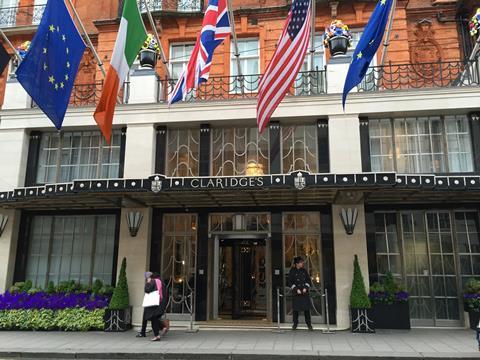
(236, 345)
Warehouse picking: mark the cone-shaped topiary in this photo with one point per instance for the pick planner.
(120, 299)
(358, 297)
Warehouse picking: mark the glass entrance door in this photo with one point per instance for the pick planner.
(242, 285)
(430, 268)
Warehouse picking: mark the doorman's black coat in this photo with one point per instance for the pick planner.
(299, 279)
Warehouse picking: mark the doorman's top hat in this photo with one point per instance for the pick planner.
(297, 260)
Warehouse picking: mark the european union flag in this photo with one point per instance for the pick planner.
(367, 46)
(49, 69)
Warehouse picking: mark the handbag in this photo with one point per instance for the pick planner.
(155, 297)
(151, 299)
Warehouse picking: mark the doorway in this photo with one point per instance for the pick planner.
(242, 282)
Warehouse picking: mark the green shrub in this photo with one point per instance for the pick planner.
(75, 319)
(97, 286)
(27, 286)
(472, 286)
(120, 299)
(51, 288)
(80, 319)
(358, 297)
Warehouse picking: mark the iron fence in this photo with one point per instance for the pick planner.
(21, 15)
(237, 87)
(172, 5)
(438, 74)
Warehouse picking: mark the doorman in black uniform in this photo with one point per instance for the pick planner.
(300, 282)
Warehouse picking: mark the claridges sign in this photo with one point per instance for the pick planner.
(225, 183)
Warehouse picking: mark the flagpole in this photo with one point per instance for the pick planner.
(90, 44)
(235, 43)
(157, 37)
(312, 40)
(386, 43)
(9, 43)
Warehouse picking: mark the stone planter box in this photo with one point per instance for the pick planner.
(118, 320)
(394, 316)
(474, 317)
(361, 321)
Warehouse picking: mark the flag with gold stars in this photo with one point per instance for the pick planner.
(367, 46)
(48, 71)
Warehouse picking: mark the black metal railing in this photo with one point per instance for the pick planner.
(439, 74)
(219, 88)
(172, 5)
(86, 94)
(21, 15)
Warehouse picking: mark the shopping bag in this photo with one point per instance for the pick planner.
(151, 299)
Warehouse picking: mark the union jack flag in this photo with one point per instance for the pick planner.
(215, 29)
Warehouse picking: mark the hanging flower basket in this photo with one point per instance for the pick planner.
(149, 53)
(22, 51)
(337, 38)
(474, 24)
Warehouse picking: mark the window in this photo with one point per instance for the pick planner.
(299, 148)
(38, 11)
(312, 83)
(179, 247)
(249, 64)
(435, 144)
(79, 248)
(301, 237)
(388, 250)
(8, 9)
(368, 82)
(179, 57)
(69, 156)
(189, 5)
(183, 146)
(240, 151)
(468, 241)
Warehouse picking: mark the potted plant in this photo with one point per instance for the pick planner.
(118, 315)
(390, 305)
(149, 53)
(337, 38)
(474, 24)
(361, 320)
(471, 298)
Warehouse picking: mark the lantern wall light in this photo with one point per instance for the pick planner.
(349, 219)
(134, 220)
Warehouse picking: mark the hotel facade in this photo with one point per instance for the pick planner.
(223, 209)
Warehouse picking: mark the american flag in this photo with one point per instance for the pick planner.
(215, 28)
(286, 62)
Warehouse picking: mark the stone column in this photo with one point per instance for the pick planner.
(345, 158)
(14, 150)
(344, 141)
(139, 163)
(137, 252)
(345, 247)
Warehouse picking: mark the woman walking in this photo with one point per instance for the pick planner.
(154, 313)
(300, 282)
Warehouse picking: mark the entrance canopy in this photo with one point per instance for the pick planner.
(297, 188)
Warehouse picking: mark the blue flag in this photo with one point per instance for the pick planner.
(367, 46)
(49, 69)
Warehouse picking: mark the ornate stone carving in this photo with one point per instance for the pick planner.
(425, 49)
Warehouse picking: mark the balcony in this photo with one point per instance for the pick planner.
(183, 6)
(148, 88)
(21, 16)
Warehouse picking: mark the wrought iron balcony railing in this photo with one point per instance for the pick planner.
(217, 88)
(21, 16)
(439, 74)
(184, 6)
(390, 77)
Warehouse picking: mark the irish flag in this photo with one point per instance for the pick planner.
(130, 38)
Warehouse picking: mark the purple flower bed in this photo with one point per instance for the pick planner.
(472, 301)
(383, 297)
(42, 300)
